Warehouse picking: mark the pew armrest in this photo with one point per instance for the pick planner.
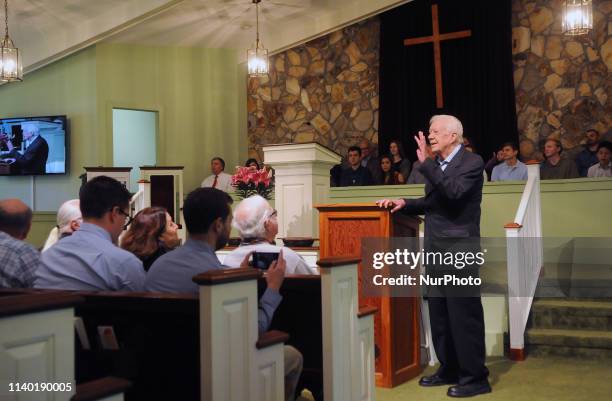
(270, 338)
(100, 388)
(366, 311)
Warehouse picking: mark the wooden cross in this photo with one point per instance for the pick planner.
(436, 38)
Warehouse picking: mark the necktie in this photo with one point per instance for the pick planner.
(215, 182)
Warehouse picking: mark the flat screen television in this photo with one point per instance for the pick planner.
(34, 145)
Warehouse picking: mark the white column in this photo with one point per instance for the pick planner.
(301, 181)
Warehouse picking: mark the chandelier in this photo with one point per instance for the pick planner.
(257, 55)
(577, 17)
(10, 59)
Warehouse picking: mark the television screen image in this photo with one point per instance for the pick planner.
(33, 146)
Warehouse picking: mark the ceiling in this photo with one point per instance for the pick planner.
(47, 30)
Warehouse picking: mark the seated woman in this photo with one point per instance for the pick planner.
(151, 234)
(399, 162)
(389, 176)
(253, 163)
(257, 225)
(69, 220)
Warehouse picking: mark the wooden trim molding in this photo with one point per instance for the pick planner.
(224, 276)
(100, 168)
(270, 338)
(144, 181)
(162, 168)
(513, 225)
(337, 261)
(517, 354)
(21, 304)
(367, 311)
(100, 388)
(531, 162)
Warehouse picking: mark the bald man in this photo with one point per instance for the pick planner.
(369, 160)
(18, 260)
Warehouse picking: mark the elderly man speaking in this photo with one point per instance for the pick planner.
(256, 222)
(453, 193)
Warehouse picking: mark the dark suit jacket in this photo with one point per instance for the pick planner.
(34, 159)
(451, 204)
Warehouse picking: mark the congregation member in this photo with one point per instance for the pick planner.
(68, 220)
(369, 160)
(218, 178)
(496, 158)
(89, 259)
(451, 205)
(603, 168)
(355, 174)
(389, 175)
(18, 260)
(151, 234)
(556, 167)
(257, 225)
(401, 164)
(252, 163)
(588, 156)
(512, 168)
(208, 218)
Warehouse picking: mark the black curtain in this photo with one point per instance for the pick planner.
(477, 73)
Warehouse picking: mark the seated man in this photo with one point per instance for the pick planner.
(89, 260)
(18, 260)
(588, 156)
(555, 167)
(208, 217)
(219, 178)
(34, 158)
(511, 168)
(257, 224)
(355, 174)
(604, 167)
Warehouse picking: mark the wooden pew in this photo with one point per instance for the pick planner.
(37, 348)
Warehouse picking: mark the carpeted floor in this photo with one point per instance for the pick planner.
(536, 379)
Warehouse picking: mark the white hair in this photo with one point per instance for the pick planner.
(250, 217)
(451, 123)
(30, 127)
(67, 213)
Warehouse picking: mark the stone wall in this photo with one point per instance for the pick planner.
(325, 90)
(563, 83)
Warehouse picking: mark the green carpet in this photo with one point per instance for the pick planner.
(535, 379)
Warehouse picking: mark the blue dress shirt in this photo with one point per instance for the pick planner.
(444, 163)
(89, 261)
(504, 172)
(173, 272)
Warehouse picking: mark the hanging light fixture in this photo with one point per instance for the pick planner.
(577, 17)
(257, 56)
(10, 58)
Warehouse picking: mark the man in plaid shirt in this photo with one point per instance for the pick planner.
(18, 260)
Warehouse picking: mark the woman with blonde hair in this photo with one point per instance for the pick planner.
(69, 220)
(151, 234)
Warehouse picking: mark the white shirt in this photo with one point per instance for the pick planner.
(295, 263)
(224, 182)
(596, 171)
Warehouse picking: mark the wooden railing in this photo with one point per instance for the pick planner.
(524, 258)
(142, 198)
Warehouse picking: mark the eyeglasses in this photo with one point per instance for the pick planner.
(129, 218)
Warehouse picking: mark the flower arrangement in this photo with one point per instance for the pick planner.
(248, 181)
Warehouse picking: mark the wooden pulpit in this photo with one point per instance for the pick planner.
(396, 325)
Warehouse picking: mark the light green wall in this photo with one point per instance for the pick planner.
(195, 91)
(570, 208)
(65, 87)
